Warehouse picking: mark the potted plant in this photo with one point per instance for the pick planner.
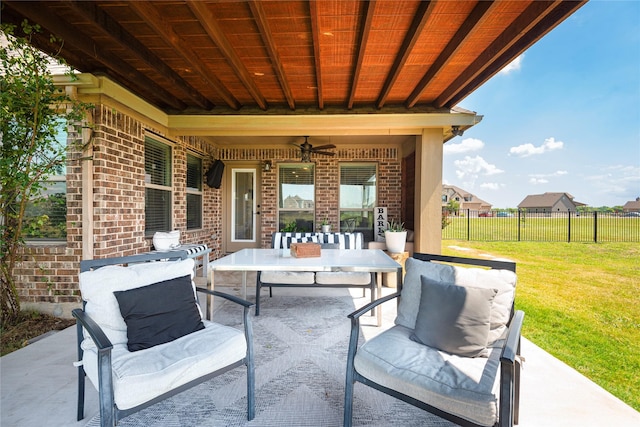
(395, 236)
(326, 227)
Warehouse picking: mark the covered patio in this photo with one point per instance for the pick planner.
(373, 86)
(370, 83)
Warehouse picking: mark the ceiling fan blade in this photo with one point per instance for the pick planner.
(326, 153)
(323, 147)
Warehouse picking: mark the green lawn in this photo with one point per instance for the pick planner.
(581, 303)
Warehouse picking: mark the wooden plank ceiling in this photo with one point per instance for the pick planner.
(293, 57)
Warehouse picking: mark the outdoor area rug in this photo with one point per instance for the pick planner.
(301, 348)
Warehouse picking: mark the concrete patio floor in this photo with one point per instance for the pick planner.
(38, 384)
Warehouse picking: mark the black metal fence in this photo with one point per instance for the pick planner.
(521, 225)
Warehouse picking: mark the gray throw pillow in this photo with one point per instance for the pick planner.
(454, 318)
(411, 287)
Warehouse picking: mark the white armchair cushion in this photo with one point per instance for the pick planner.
(142, 375)
(97, 289)
(465, 386)
(502, 280)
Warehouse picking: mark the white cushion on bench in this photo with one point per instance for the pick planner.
(288, 277)
(342, 277)
(464, 386)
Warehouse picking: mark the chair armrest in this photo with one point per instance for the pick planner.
(97, 334)
(512, 343)
(232, 298)
(356, 314)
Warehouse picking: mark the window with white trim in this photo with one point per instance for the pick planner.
(296, 197)
(358, 197)
(158, 186)
(194, 192)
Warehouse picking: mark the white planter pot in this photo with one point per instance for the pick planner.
(164, 241)
(326, 228)
(395, 241)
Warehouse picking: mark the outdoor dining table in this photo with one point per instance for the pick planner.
(360, 260)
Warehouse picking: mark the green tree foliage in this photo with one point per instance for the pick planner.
(31, 108)
(453, 206)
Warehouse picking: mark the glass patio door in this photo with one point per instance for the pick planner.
(243, 209)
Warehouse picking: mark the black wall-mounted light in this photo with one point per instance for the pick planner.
(456, 131)
(266, 165)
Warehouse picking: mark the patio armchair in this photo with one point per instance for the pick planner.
(142, 337)
(454, 350)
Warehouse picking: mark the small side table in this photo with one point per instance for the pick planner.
(390, 279)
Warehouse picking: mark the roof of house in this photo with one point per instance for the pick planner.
(464, 193)
(546, 200)
(632, 205)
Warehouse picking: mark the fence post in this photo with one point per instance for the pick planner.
(468, 224)
(569, 226)
(595, 226)
(519, 224)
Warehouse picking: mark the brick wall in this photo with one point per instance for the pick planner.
(47, 275)
(327, 181)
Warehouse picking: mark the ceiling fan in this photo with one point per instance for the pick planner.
(306, 149)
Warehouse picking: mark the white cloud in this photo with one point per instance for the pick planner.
(525, 150)
(465, 146)
(535, 181)
(617, 181)
(491, 186)
(542, 178)
(514, 65)
(548, 175)
(473, 167)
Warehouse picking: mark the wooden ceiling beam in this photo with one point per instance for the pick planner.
(48, 19)
(315, 33)
(202, 12)
(164, 30)
(523, 23)
(477, 15)
(516, 41)
(417, 25)
(265, 32)
(114, 31)
(363, 38)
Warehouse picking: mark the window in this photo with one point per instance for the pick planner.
(194, 192)
(358, 197)
(158, 187)
(46, 217)
(296, 197)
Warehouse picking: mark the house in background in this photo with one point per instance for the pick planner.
(464, 198)
(550, 202)
(632, 206)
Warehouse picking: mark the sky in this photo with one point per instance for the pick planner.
(563, 117)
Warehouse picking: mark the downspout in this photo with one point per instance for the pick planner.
(87, 189)
(86, 159)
